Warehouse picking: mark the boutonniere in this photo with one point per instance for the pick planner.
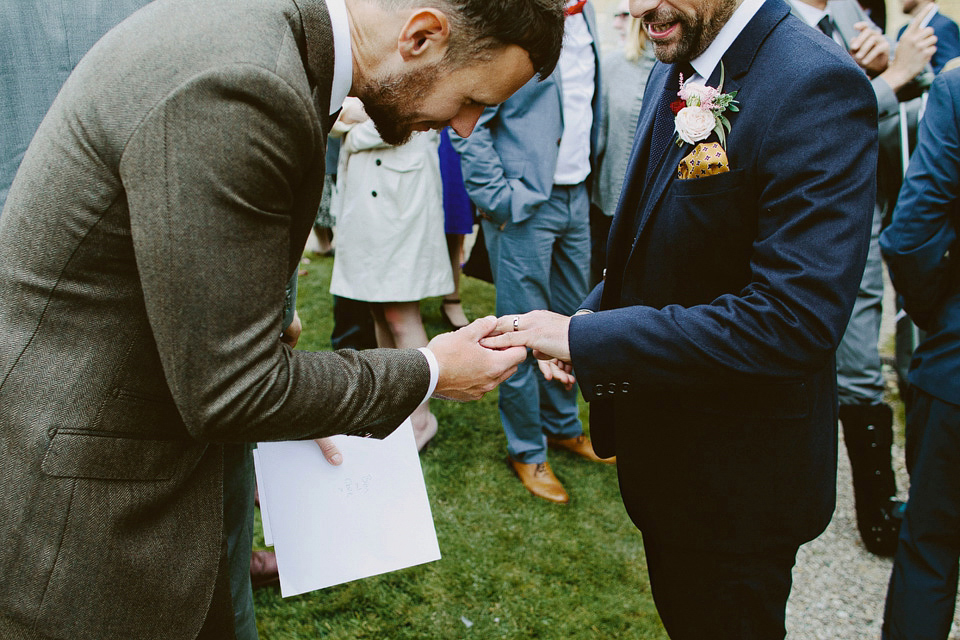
(701, 110)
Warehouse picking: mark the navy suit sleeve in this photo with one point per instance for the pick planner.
(809, 150)
(948, 43)
(917, 242)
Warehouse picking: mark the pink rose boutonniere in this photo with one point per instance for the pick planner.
(701, 110)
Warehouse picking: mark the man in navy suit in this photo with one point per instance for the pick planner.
(921, 246)
(708, 352)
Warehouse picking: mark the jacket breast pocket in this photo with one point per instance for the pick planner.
(715, 190)
(700, 240)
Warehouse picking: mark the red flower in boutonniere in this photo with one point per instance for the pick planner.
(702, 111)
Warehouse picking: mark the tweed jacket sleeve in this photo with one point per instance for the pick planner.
(213, 175)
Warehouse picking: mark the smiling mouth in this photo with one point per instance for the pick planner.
(660, 30)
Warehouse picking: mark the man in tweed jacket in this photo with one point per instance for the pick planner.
(182, 163)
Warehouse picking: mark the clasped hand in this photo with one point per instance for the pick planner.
(546, 333)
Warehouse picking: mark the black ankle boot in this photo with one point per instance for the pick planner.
(868, 432)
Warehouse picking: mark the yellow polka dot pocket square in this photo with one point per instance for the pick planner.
(706, 159)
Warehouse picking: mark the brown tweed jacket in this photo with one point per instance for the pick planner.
(144, 248)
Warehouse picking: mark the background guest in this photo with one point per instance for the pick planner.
(391, 249)
(921, 249)
(41, 42)
(526, 168)
(946, 30)
(458, 214)
(866, 418)
(623, 75)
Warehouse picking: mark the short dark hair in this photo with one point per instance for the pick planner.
(478, 27)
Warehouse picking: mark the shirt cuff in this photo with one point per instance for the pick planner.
(434, 371)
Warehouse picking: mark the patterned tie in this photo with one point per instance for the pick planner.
(663, 123)
(826, 25)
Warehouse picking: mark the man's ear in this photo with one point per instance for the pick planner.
(425, 35)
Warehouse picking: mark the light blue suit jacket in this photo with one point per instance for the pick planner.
(510, 159)
(41, 42)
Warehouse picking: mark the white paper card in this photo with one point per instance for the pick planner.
(367, 516)
(264, 516)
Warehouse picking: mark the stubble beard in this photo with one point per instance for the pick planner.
(696, 33)
(392, 102)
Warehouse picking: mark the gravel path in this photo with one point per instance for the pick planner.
(839, 587)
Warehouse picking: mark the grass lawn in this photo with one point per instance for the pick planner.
(513, 566)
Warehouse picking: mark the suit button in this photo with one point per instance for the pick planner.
(373, 193)
(378, 162)
(612, 388)
(625, 387)
(598, 390)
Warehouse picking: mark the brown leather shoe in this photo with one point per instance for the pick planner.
(581, 446)
(539, 480)
(263, 569)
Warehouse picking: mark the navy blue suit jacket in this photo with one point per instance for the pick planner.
(921, 245)
(709, 362)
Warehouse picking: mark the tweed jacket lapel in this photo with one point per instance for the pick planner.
(316, 47)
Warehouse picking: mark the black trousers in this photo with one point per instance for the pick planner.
(740, 596)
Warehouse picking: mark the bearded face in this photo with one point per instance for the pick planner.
(395, 103)
(683, 29)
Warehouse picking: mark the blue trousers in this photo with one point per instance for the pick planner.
(540, 263)
(923, 584)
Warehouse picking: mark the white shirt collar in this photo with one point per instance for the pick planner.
(706, 62)
(808, 13)
(342, 54)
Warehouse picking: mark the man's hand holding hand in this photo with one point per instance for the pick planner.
(562, 372)
(469, 370)
(545, 332)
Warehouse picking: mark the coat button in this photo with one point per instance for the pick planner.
(373, 193)
(378, 162)
(558, 142)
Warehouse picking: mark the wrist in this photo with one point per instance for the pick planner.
(894, 78)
